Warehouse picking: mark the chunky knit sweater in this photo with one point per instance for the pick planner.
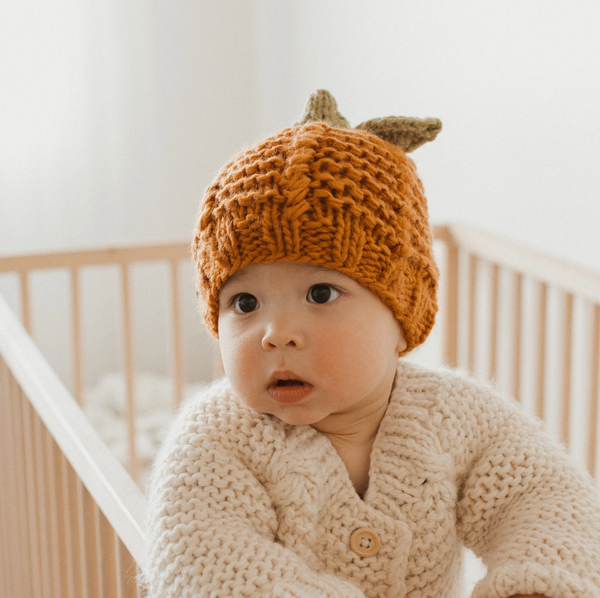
(242, 504)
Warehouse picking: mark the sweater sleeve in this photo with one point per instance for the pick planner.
(212, 528)
(523, 506)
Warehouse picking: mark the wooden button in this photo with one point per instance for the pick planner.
(365, 542)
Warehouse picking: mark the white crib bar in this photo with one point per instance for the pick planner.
(594, 389)
(542, 308)
(517, 335)
(77, 350)
(567, 346)
(472, 311)
(494, 306)
(177, 341)
(481, 250)
(133, 465)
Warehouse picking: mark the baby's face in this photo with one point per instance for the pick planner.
(302, 342)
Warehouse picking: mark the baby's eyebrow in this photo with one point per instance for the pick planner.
(324, 269)
(239, 274)
(242, 274)
(328, 271)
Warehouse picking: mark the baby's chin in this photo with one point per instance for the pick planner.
(298, 419)
(293, 415)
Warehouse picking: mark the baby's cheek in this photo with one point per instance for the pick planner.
(340, 358)
(239, 362)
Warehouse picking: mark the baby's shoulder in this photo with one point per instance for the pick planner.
(450, 391)
(214, 417)
(214, 434)
(439, 381)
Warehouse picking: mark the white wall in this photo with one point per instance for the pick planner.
(115, 115)
(516, 85)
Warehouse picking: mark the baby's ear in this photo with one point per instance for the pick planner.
(402, 344)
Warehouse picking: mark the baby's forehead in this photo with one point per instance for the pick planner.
(252, 272)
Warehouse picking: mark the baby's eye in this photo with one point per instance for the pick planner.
(322, 293)
(244, 303)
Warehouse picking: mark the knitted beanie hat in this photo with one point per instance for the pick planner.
(325, 194)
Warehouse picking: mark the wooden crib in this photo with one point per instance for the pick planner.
(71, 515)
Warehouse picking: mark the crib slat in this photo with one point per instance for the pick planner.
(108, 555)
(127, 572)
(77, 356)
(65, 566)
(517, 337)
(5, 500)
(451, 314)
(6, 581)
(7, 533)
(567, 367)
(25, 300)
(20, 487)
(493, 366)
(177, 338)
(473, 262)
(594, 383)
(129, 372)
(32, 519)
(9, 497)
(541, 352)
(20, 490)
(84, 540)
(52, 478)
(90, 544)
(75, 514)
(40, 479)
(25, 491)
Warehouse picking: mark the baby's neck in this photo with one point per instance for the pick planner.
(352, 434)
(357, 426)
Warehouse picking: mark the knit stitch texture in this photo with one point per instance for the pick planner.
(243, 504)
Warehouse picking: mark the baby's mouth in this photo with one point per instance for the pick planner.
(285, 388)
(289, 383)
(285, 378)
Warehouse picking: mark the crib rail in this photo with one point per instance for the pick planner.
(124, 257)
(547, 355)
(70, 516)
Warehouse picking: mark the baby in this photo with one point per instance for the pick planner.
(323, 464)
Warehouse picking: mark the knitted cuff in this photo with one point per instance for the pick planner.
(534, 578)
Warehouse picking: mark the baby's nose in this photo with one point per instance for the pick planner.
(282, 335)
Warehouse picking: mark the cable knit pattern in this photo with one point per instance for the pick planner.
(242, 504)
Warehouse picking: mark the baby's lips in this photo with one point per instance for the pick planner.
(279, 375)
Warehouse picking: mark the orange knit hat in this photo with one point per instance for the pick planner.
(322, 193)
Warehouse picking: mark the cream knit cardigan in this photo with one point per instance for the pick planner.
(242, 504)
